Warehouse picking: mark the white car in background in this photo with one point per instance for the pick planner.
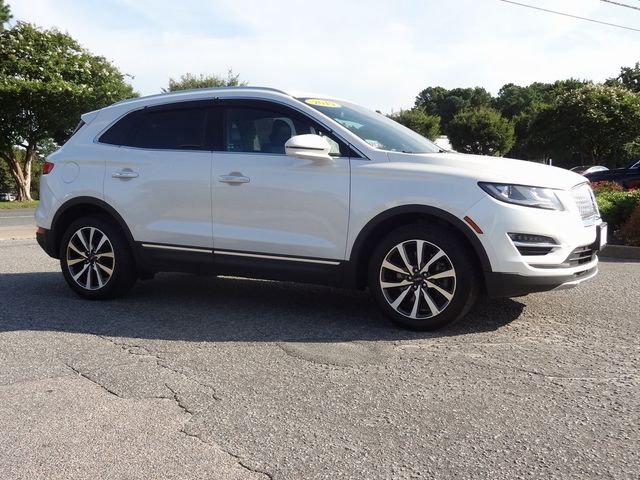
(259, 183)
(8, 197)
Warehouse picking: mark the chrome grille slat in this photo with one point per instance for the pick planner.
(586, 202)
(580, 256)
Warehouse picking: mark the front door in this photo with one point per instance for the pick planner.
(267, 203)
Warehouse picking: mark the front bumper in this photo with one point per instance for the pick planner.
(580, 266)
(514, 285)
(517, 270)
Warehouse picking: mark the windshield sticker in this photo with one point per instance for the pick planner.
(322, 103)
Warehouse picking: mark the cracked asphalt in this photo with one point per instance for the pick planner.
(198, 377)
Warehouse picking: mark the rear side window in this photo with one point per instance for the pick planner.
(163, 129)
(171, 130)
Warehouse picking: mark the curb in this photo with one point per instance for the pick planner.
(621, 251)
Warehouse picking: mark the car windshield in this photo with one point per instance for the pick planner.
(374, 128)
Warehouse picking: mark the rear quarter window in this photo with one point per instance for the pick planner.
(122, 131)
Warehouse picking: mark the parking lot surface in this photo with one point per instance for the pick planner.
(17, 224)
(203, 377)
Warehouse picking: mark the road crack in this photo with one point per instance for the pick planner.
(92, 380)
(183, 430)
(134, 349)
(140, 351)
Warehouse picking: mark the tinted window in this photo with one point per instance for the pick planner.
(259, 130)
(121, 132)
(175, 129)
(160, 128)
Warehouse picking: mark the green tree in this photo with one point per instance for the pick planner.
(513, 100)
(481, 131)
(431, 98)
(522, 104)
(189, 81)
(629, 78)
(595, 124)
(5, 14)
(419, 121)
(7, 183)
(447, 103)
(47, 80)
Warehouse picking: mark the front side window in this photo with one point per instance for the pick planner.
(374, 128)
(258, 130)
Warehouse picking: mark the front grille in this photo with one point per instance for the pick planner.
(586, 202)
(580, 256)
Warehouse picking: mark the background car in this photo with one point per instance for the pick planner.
(582, 169)
(595, 168)
(7, 197)
(579, 169)
(628, 177)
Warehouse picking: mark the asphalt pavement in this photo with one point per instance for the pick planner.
(224, 378)
(17, 224)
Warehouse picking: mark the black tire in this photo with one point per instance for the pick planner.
(441, 290)
(100, 273)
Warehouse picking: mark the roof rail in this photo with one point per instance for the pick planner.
(208, 89)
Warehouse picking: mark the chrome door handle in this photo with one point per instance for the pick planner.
(126, 173)
(233, 178)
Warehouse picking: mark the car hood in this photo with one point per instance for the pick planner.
(490, 169)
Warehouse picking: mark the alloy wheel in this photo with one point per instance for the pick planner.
(90, 258)
(417, 279)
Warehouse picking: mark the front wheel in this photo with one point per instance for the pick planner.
(95, 259)
(423, 277)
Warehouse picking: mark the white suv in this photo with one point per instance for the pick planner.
(259, 183)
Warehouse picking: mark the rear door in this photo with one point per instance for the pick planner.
(159, 176)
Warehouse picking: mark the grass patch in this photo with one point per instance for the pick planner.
(16, 205)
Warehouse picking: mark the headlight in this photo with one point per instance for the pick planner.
(526, 196)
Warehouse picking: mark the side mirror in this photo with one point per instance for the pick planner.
(308, 147)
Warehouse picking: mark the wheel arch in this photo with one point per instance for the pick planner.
(385, 222)
(78, 207)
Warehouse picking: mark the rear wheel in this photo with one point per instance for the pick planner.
(423, 277)
(95, 259)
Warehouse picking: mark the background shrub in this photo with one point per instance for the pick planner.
(616, 206)
(602, 187)
(631, 229)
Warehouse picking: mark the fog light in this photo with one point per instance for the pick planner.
(528, 238)
(528, 244)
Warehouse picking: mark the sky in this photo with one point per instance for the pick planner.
(380, 54)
